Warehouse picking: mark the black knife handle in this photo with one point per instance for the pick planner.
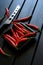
(4, 27)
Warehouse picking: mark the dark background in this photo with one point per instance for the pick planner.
(34, 54)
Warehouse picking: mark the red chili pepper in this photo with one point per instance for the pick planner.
(14, 35)
(11, 38)
(22, 19)
(20, 33)
(22, 40)
(29, 35)
(7, 12)
(18, 28)
(21, 26)
(11, 42)
(2, 52)
(26, 31)
(33, 26)
(22, 29)
(17, 35)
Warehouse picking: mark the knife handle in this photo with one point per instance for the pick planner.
(4, 28)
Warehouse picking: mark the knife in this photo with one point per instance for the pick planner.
(6, 24)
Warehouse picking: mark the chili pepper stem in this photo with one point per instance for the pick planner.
(30, 37)
(16, 47)
(7, 55)
(2, 52)
(38, 30)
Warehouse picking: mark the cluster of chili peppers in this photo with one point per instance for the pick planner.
(19, 33)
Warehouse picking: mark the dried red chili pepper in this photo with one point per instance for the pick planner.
(26, 31)
(18, 28)
(7, 12)
(2, 52)
(11, 38)
(33, 26)
(22, 19)
(20, 33)
(29, 35)
(11, 42)
(14, 35)
(21, 26)
(17, 35)
(22, 40)
(22, 29)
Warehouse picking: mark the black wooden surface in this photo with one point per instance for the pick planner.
(34, 54)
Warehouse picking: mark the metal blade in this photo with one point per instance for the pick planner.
(8, 21)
